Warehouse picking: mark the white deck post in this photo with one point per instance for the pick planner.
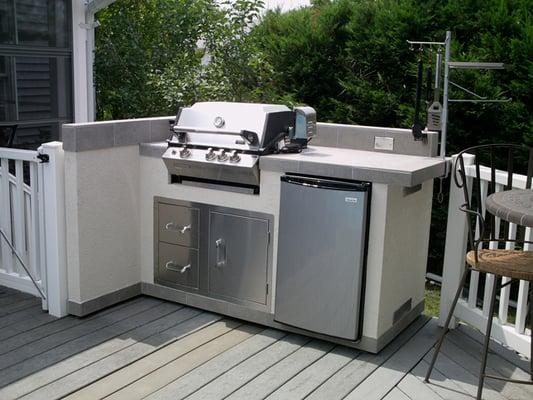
(82, 76)
(54, 228)
(455, 248)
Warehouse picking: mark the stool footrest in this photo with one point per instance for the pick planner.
(501, 378)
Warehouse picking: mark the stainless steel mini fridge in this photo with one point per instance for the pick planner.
(321, 255)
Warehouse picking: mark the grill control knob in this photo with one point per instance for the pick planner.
(222, 156)
(234, 157)
(185, 153)
(210, 155)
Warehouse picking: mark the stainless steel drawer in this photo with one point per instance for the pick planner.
(178, 225)
(177, 265)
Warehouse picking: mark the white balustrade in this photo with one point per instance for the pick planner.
(32, 231)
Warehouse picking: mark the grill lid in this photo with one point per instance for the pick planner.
(241, 126)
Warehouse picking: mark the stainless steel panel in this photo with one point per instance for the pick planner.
(238, 257)
(204, 211)
(320, 259)
(177, 265)
(178, 225)
(246, 172)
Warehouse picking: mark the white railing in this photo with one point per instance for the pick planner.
(32, 239)
(470, 309)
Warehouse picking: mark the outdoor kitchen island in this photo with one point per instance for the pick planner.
(117, 193)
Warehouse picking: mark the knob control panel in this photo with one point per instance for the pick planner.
(234, 157)
(210, 155)
(222, 156)
(185, 153)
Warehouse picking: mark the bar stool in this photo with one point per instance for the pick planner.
(515, 264)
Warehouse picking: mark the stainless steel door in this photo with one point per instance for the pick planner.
(238, 257)
(321, 255)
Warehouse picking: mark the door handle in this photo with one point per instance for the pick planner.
(221, 252)
(171, 226)
(172, 266)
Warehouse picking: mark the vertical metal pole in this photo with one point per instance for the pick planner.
(445, 95)
(91, 102)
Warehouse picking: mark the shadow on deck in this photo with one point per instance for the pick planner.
(150, 348)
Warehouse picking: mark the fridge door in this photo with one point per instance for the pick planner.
(322, 233)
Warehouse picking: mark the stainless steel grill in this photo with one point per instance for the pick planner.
(221, 142)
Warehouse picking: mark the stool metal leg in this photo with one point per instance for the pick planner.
(487, 338)
(446, 324)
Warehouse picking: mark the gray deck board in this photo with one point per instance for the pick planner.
(495, 347)
(18, 306)
(416, 388)
(153, 349)
(25, 325)
(313, 376)
(57, 331)
(74, 355)
(462, 378)
(217, 366)
(275, 376)
(21, 315)
(246, 371)
(122, 358)
(155, 371)
(7, 311)
(396, 394)
(383, 379)
(495, 366)
(14, 298)
(16, 355)
(355, 372)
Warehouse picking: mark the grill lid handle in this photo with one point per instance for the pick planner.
(250, 137)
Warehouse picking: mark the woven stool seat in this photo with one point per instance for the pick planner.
(514, 264)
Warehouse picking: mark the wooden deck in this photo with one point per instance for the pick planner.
(149, 348)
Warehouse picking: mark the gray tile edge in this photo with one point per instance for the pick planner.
(143, 134)
(152, 149)
(68, 137)
(387, 177)
(106, 300)
(277, 165)
(130, 132)
(427, 173)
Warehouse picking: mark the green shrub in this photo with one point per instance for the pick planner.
(347, 58)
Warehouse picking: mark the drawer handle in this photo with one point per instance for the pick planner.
(172, 266)
(221, 252)
(171, 226)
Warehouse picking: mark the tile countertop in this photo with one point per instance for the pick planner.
(378, 167)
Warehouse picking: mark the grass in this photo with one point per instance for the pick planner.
(432, 299)
(432, 302)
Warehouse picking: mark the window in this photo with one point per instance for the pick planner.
(35, 68)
